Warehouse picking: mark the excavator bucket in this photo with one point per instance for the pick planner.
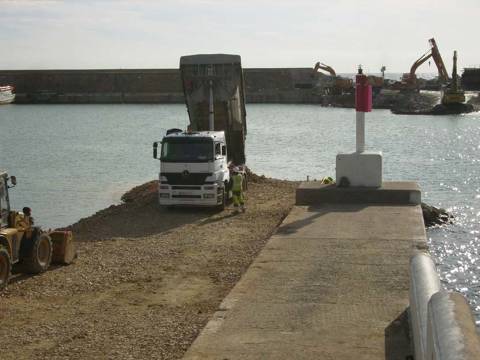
(64, 251)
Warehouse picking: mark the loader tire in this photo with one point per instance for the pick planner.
(5, 267)
(40, 256)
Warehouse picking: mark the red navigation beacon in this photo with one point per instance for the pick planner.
(363, 92)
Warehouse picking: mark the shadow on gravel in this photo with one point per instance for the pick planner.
(135, 220)
(219, 218)
(18, 275)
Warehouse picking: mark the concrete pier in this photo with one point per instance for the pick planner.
(392, 192)
(332, 283)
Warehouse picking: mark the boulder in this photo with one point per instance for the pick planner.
(433, 216)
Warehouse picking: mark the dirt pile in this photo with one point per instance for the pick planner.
(141, 194)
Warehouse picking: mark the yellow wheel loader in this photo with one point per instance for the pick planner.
(25, 244)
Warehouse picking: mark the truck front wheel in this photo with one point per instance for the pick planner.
(5, 267)
(222, 205)
(40, 256)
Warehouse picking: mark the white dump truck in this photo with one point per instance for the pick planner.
(195, 163)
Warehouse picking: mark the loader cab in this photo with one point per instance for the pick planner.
(4, 201)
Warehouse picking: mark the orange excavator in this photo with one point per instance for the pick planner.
(342, 83)
(336, 84)
(409, 80)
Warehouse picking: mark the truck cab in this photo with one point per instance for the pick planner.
(194, 164)
(193, 168)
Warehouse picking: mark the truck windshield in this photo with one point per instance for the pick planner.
(187, 150)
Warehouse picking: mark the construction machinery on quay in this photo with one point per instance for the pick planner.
(322, 66)
(452, 98)
(451, 92)
(452, 95)
(409, 80)
(196, 163)
(331, 83)
(24, 244)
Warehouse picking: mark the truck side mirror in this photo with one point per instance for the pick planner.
(13, 180)
(224, 150)
(155, 147)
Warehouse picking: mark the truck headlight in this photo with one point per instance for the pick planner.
(164, 195)
(208, 196)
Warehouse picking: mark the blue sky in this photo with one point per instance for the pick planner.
(36, 34)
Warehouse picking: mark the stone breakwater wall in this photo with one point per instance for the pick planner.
(263, 85)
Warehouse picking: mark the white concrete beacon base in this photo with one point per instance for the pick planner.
(360, 168)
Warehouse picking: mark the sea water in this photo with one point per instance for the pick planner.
(73, 160)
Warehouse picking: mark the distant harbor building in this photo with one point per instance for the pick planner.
(471, 78)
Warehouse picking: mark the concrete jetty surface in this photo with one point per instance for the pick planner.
(331, 283)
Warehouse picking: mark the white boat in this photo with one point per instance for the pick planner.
(7, 95)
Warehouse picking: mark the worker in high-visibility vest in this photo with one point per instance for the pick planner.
(237, 190)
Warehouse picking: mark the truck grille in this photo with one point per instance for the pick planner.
(187, 196)
(176, 187)
(186, 178)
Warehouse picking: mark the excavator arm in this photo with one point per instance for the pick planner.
(417, 63)
(324, 67)
(434, 53)
(442, 71)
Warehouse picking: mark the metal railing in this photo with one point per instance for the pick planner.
(442, 322)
